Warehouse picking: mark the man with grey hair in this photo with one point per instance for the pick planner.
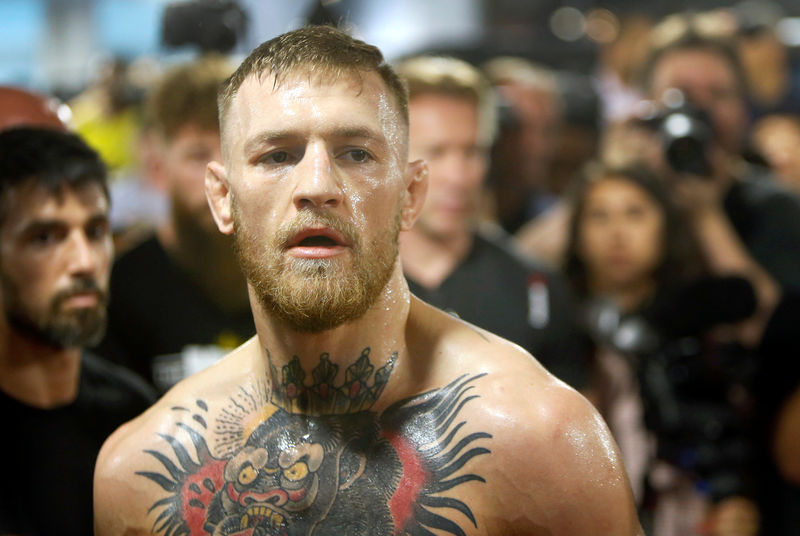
(357, 408)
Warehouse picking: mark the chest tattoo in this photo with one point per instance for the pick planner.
(314, 459)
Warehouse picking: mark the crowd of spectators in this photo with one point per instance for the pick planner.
(657, 271)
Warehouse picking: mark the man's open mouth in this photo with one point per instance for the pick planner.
(313, 238)
(318, 241)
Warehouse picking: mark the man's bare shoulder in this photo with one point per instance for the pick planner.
(553, 465)
(445, 339)
(123, 490)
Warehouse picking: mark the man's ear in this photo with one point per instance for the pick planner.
(416, 190)
(219, 194)
(152, 156)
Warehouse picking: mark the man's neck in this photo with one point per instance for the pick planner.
(429, 259)
(377, 339)
(210, 264)
(38, 374)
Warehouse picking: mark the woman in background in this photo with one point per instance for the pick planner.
(663, 381)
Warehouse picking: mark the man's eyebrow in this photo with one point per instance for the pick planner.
(100, 217)
(357, 132)
(45, 223)
(345, 132)
(267, 137)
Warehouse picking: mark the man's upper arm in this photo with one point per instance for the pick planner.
(572, 480)
(118, 507)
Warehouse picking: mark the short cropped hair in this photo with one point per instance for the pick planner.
(187, 95)
(46, 158)
(452, 77)
(682, 32)
(318, 51)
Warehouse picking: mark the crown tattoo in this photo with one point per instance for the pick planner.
(358, 390)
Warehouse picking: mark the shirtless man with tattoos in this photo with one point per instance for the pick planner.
(357, 408)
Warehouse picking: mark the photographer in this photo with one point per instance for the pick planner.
(745, 222)
(667, 386)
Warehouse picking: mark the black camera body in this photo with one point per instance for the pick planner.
(210, 25)
(687, 385)
(685, 131)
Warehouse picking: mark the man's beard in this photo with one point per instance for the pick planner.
(197, 232)
(315, 295)
(76, 328)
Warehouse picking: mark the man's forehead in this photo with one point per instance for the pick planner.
(683, 63)
(360, 85)
(32, 202)
(373, 106)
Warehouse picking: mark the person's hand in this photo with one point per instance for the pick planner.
(699, 195)
(629, 143)
(734, 516)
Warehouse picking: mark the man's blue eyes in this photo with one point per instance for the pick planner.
(359, 155)
(281, 157)
(278, 158)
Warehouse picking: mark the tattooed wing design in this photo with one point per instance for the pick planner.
(356, 473)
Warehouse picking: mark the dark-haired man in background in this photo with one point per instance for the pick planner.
(58, 403)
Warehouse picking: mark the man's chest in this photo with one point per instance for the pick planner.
(412, 468)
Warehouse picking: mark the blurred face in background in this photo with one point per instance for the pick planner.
(444, 131)
(540, 115)
(620, 235)
(55, 258)
(709, 82)
(777, 138)
(181, 171)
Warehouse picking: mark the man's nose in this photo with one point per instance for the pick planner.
(318, 184)
(452, 168)
(83, 256)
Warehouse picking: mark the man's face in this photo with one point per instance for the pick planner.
(183, 164)
(444, 132)
(710, 83)
(55, 256)
(316, 172)
(540, 120)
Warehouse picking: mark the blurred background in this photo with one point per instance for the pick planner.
(569, 80)
(60, 46)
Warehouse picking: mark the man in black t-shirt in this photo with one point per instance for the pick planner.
(178, 300)
(447, 261)
(58, 404)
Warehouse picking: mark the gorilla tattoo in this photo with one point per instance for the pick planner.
(350, 473)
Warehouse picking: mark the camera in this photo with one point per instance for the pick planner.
(687, 386)
(685, 131)
(210, 25)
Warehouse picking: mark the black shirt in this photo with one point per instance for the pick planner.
(49, 454)
(160, 324)
(778, 379)
(767, 218)
(508, 295)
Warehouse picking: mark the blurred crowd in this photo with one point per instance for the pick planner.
(636, 228)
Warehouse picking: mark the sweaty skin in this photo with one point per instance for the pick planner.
(404, 420)
(548, 466)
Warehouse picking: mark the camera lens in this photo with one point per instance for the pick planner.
(686, 134)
